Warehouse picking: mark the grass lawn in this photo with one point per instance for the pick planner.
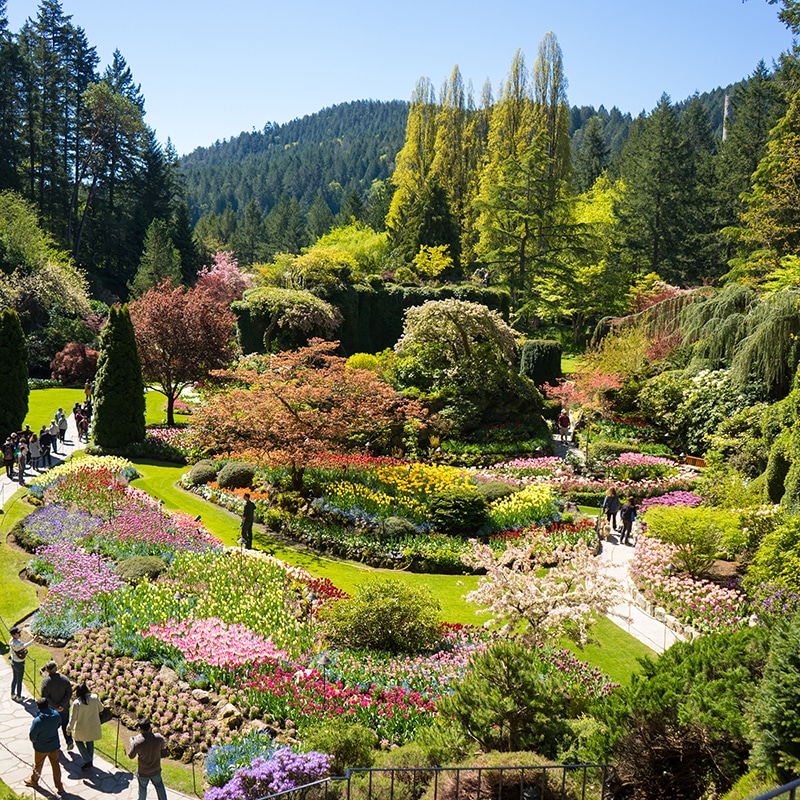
(569, 362)
(43, 404)
(6, 793)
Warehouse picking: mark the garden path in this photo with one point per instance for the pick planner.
(16, 754)
(616, 559)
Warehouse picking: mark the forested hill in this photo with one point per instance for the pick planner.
(336, 150)
(341, 150)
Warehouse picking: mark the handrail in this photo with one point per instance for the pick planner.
(789, 789)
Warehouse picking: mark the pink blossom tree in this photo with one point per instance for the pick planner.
(225, 280)
(557, 590)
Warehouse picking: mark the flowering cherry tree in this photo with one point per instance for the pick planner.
(558, 591)
(225, 280)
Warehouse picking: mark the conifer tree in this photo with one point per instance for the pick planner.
(160, 260)
(14, 358)
(118, 418)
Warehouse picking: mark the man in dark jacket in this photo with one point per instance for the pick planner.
(147, 747)
(57, 690)
(46, 744)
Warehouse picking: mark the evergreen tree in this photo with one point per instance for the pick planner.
(185, 243)
(591, 156)
(14, 357)
(160, 260)
(118, 418)
(319, 218)
(430, 223)
(656, 200)
(10, 88)
(250, 237)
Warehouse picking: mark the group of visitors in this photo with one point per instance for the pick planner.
(29, 451)
(80, 721)
(627, 513)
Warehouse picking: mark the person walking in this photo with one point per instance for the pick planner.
(19, 652)
(248, 515)
(610, 507)
(146, 748)
(564, 425)
(57, 690)
(628, 515)
(84, 724)
(46, 744)
(9, 458)
(45, 443)
(22, 461)
(35, 451)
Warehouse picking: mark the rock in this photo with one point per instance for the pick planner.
(201, 695)
(168, 676)
(230, 716)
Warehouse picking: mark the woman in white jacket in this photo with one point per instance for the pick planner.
(84, 723)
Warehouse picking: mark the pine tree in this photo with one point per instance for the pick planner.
(118, 418)
(319, 218)
(160, 260)
(10, 88)
(14, 358)
(592, 154)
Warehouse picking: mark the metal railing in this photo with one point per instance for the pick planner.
(788, 791)
(582, 781)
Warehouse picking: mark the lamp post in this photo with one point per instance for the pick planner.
(323, 662)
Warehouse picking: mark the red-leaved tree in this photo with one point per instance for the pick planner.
(288, 407)
(75, 364)
(182, 335)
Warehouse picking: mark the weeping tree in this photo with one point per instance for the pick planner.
(118, 418)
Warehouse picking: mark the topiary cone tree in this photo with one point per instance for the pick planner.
(14, 358)
(118, 418)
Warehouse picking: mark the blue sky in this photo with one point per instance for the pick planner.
(209, 70)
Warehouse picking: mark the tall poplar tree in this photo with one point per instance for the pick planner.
(14, 358)
(118, 418)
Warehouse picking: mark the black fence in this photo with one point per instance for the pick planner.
(563, 782)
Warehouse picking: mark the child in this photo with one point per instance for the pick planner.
(628, 514)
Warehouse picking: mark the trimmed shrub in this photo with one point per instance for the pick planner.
(202, 472)
(459, 510)
(396, 528)
(385, 615)
(495, 490)
(26, 539)
(350, 743)
(540, 361)
(137, 568)
(236, 475)
(14, 358)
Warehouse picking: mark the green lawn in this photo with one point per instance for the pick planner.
(43, 404)
(569, 361)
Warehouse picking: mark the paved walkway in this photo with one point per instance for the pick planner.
(616, 558)
(16, 753)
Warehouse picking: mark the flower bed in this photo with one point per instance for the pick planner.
(699, 603)
(689, 499)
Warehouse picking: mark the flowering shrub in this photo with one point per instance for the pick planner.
(533, 504)
(638, 466)
(689, 499)
(178, 444)
(282, 771)
(699, 603)
(356, 502)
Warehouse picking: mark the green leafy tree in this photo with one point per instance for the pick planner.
(386, 615)
(160, 260)
(14, 355)
(592, 155)
(118, 418)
